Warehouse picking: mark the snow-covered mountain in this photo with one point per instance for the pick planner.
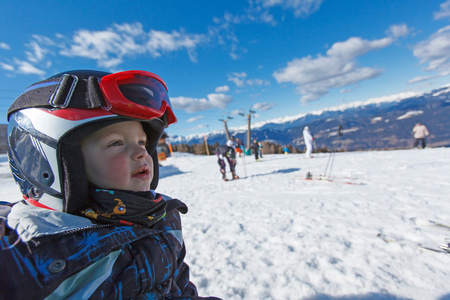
(377, 123)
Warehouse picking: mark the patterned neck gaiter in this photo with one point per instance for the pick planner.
(120, 207)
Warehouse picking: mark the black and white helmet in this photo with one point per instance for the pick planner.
(50, 118)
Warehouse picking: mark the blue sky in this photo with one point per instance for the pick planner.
(218, 58)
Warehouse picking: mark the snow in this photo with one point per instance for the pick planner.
(274, 235)
(410, 114)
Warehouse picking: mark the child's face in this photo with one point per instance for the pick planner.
(115, 157)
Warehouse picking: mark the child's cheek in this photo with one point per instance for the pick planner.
(119, 165)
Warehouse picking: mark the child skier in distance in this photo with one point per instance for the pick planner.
(255, 148)
(82, 147)
(227, 152)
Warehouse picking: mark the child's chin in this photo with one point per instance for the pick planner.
(141, 187)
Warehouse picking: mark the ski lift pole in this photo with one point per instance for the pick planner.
(333, 152)
(206, 145)
(245, 166)
(330, 157)
(332, 162)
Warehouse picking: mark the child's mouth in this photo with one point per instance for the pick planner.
(143, 172)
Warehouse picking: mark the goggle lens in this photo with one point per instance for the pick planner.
(137, 94)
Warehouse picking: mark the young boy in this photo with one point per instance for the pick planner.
(227, 152)
(82, 147)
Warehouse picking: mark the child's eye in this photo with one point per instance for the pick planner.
(143, 142)
(115, 143)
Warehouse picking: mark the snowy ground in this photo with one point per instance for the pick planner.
(273, 235)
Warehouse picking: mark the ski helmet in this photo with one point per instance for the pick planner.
(50, 118)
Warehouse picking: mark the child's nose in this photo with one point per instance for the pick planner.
(139, 152)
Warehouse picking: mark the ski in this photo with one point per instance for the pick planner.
(334, 181)
(444, 248)
(438, 250)
(341, 180)
(439, 224)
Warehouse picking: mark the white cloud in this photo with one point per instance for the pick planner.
(444, 12)
(398, 30)
(194, 119)
(6, 67)
(200, 126)
(25, 67)
(109, 47)
(160, 41)
(262, 106)
(37, 52)
(4, 46)
(237, 78)
(222, 89)
(240, 80)
(314, 77)
(301, 8)
(256, 81)
(425, 78)
(435, 51)
(420, 79)
(200, 104)
(235, 112)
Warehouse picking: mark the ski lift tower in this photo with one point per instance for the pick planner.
(249, 126)
(226, 127)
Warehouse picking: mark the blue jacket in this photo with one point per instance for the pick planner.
(54, 255)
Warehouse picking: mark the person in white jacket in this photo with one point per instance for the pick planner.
(307, 136)
(420, 132)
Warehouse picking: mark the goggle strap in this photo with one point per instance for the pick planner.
(95, 94)
(64, 91)
(57, 93)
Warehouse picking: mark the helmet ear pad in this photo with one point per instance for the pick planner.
(154, 130)
(73, 178)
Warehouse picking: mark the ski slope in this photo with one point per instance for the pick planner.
(274, 235)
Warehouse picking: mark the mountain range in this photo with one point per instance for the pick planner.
(381, 123)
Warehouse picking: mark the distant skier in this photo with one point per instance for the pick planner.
(307, 136)
(255, 148)
(420, 132)
(238, 146)
(227, 152)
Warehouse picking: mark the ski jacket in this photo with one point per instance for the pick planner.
(307, 136)
(420, 131)
(226, 151)
(54, 255)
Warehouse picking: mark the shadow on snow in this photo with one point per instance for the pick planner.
(166, 171)
(284, 171)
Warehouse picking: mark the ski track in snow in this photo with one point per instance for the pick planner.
(274, 235)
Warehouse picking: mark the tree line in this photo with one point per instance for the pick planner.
(267, 148)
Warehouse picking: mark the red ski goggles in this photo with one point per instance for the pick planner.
(137, 94)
